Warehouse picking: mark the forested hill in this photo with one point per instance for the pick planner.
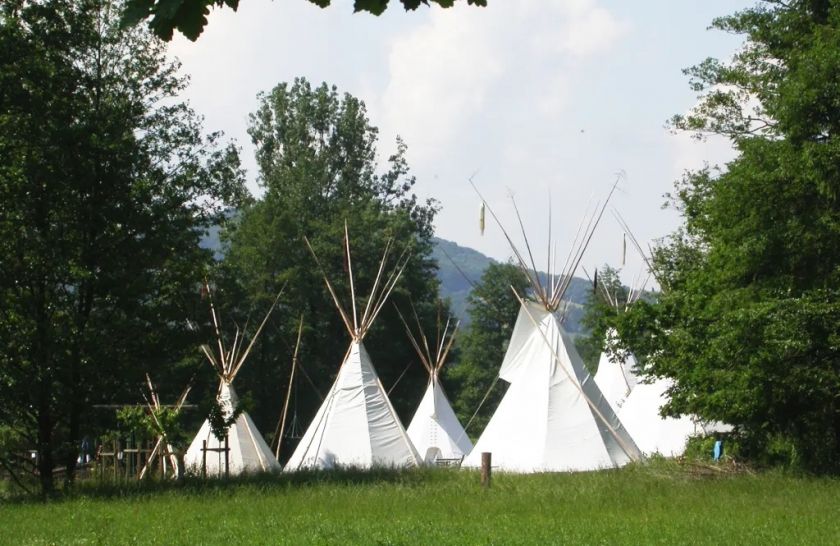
(451, 257)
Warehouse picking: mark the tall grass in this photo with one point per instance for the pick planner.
(658, 503)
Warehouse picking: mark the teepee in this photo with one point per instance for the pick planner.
(616, 375)
(247, 450)
(356, 424)
(639, 405)
(435, 430)
(162, 452)
(553, 417)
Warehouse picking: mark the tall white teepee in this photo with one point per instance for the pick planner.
(248, 451)
(435, 429)
(553, 417)
(356, 424)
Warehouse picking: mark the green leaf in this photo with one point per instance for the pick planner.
(135, 11)
(375, 7)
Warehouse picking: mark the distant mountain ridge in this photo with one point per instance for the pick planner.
(459, 267)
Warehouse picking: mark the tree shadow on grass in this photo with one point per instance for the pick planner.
(96, 488)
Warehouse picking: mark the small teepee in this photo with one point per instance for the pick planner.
(616, 376)
(248, 451)
(638, 407)
(553, 417)
(356, 424)
(435, 430)
(162, 452)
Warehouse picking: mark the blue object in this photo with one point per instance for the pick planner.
(718, 451)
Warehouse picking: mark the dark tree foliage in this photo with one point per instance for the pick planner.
(493, 308)
(189, 17)
(106, 184)
(316, 152)
(748, 323)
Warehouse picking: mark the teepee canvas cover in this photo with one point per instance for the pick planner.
(637, 405)
(248, 450)
(356, 424)
(553, 417)
(652, 432)
(435, 430)
(616, 376)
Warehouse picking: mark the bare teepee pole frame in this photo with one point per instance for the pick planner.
(161, 442)
(551, 295)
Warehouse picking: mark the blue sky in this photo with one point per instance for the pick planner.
(534, 97)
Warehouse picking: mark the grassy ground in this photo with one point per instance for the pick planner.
(658, 503)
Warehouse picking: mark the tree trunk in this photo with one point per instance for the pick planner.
(40, 359)
(45, 447)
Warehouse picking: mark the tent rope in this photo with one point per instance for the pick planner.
(480, 404)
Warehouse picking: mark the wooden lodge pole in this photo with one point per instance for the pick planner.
(227, 458)
(486, 471)
(204, 458)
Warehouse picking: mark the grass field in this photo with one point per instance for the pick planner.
(660, 503)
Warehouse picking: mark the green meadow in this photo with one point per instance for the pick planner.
(654, 503)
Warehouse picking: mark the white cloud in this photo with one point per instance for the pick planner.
(518, 57)
(592, 30)
(440, 75)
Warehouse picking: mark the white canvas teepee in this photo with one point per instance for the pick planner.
(553, 417)
(356, 425)
(435, 430)
(653, 433)
(639, 405)
(248, 451)
(616, 378)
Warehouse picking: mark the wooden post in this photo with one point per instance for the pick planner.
(486, 471)
(227, 457)
(116, 451)
(204, 458)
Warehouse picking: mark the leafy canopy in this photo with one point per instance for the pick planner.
(749, 321)
(189, 17)
(317, 155)
(107, 182)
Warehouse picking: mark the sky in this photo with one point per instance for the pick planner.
(543, 100)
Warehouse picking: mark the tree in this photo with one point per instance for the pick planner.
(106, 184)
(190, 16)
(316, 152)
(493, 309)
(747, 323)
